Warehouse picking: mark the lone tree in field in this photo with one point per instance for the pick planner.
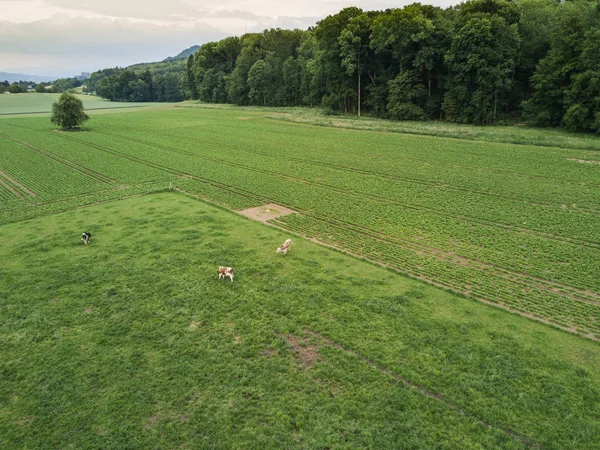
(68, 112)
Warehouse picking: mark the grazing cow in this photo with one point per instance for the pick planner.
(285, 247)
(226, 272)
(86, 237)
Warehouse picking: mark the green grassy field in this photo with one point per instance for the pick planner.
(512, 225)
(31, 103)
(508, 134)
(133, 342)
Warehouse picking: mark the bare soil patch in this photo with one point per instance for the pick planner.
(151, 421)
(71, 130)
(267, 212)
(268, 353)
(306, 352)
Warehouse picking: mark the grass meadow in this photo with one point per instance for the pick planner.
(443, 290)
(31, 103)
(133, 342)
(508, 134)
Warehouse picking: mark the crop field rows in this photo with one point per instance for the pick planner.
(511, 225)
(9, 188)
(54, 177)
(544, 219)
(564, 307)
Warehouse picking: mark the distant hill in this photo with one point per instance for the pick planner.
(10, 77)
(170, 64)
(184, 54)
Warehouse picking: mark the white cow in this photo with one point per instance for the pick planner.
(285, 247)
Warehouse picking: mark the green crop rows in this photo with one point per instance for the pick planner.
(513, 225)
(6, 195)
(567, 308)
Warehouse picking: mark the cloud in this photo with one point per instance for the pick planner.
(68, 35)
(234, 14)
(56, 65)
(137, 9)
(109, 42)
(291, 23)
(285, 22)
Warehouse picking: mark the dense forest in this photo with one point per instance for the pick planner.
(481, 62)
(151, 82)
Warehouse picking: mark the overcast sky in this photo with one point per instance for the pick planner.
(67, 37)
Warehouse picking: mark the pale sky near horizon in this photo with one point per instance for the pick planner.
(67, 37)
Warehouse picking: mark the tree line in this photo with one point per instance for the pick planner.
(23, 86)
(480, 62)
(152, 82)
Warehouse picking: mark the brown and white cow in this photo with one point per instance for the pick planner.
(226, 272)
(285, 247)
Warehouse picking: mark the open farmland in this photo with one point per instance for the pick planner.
(132, 342)
(31, 103)
(512, 225)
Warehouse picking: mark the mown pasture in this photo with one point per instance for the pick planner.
(512, 225)
(31, 103)
(132, 342)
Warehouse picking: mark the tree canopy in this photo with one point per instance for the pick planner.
(481, 62)
(67, 112)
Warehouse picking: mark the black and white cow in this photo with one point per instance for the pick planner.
(86, 237)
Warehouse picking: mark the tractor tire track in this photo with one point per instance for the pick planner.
(367, 172)
(580, 296)
(170, 170)
(455, 288)
(484, 169)
(17, 184)
(380, 199)
(5, 183)
(420, 389)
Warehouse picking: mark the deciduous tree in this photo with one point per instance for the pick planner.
(68, 112)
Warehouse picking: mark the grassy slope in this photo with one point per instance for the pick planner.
(42, 103)
(133, 343)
